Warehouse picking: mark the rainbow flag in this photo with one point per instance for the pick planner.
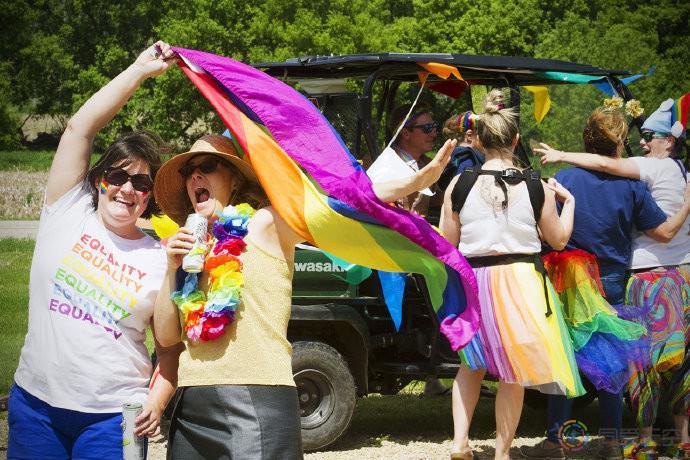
(324, 194)
(681, 109)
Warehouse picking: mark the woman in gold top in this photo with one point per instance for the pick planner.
(238, 394)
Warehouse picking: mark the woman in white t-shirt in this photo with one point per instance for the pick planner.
(660, 277)
(94, 278)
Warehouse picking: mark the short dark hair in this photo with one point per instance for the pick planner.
(142, 145)
(398, 115)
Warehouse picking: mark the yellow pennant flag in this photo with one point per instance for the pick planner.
(542, 101)
(164, 226)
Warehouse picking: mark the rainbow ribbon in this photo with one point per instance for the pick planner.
(324, 194)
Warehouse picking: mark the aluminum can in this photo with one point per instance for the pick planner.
(193, 262)
(133, 447)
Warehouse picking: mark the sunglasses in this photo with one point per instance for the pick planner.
(427, 128)
(206, 167)
(647, 136)
(118, 177)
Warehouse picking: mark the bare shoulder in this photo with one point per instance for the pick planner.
(270, 232)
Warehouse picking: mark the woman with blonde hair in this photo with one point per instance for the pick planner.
(495, 220)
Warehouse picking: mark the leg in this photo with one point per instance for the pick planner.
(681, 424)
(199, 429)
(466, 388)
(32, 433)
(277, 414)
(611, 415)
(101, 437)
(557, 413)
(508, 410)
(679, 389)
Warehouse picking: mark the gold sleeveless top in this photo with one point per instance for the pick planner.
(254, 349)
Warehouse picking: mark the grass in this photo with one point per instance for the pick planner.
(15, 261)
(26, 160)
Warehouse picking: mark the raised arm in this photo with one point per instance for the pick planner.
(450, 221)
(623, 167)
(166, 319)
(396, 189)
(556, 229)
(665, 232)
(74, 151)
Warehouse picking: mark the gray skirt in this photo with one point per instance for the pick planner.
(236, 422)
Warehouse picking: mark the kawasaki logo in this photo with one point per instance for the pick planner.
(317, 267)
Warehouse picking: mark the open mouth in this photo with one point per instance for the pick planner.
(201, 195)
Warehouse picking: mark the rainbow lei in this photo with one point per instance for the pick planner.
(206, 316)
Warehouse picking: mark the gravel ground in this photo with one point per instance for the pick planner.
(387, 427)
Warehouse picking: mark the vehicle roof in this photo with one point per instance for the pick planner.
(475, 69)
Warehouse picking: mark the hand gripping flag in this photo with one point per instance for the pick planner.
(323, 193)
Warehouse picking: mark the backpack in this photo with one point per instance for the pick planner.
(511, 176)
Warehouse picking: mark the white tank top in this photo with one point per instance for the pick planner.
(487, 229)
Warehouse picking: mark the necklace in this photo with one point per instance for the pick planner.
(205, 317)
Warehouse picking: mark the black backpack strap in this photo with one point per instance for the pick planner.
(462, 188)
(535, 191)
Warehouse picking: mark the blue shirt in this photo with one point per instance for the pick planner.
(606, 210)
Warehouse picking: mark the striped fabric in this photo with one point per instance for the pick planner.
(323, 193)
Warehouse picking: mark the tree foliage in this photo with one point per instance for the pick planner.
(55, 54)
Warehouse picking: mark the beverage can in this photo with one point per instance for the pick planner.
(193, 262)
(133, 447)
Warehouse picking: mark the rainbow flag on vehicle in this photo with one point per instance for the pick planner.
(324, 194)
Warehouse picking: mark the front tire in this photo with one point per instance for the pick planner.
(326, 392)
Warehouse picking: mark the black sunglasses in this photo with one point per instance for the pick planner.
(647, 136)
(427, 128)
(119, 177)
(207, 167)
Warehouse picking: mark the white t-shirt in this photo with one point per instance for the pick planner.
(91, 297)
(665, 181)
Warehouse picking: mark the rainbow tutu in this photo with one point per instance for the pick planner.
(605, 343)
(517, 342)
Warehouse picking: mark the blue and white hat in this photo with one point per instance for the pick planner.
(662, 120)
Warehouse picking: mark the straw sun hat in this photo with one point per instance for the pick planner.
(169, 187)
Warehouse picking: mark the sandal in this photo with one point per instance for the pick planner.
(640, 450)
(466, 455)
(682, 451)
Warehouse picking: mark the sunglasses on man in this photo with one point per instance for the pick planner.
(119, 177)
(207, 166)
(426, 128)
(647, 136)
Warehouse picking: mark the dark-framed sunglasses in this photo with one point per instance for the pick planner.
(119, 177)
(647, 136)
(426, 128)
(207, 167)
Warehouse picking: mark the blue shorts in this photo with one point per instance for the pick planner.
(39, 430)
